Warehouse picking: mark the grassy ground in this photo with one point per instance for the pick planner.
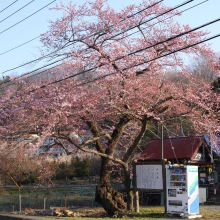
(207, 212)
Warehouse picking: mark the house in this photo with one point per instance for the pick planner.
(196, 150)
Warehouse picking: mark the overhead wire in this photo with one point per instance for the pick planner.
(8, 6)
(168, 18)
(76, 40)
(171, 144)
(180, 5)
(171, 38)
(144, 9)
(138, 31)
(26, 18)
(157, 16)
(68, 77)
(183, 48)
(40, 35)
(32, 61)
(19, 45)
(17, 11)
(184, 3)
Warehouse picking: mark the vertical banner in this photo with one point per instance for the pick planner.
(193, 189)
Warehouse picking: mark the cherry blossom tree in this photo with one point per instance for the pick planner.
(112, 83)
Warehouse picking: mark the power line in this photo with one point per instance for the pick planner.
(175, 51)
(184, 3)
(158, 43)
(32, 61)
(75, 41)
(157, 16)
(102, 77)
(134, 32)
(173, 37)
(39, 35)
(47, 65)
(171, 144)
(168, 17)
(19, 45)
(8, 6)
(127, 54)
(144, 9)
(26, 17)
(134, 52)
(161, 42)
(16, 11)
(178, 50)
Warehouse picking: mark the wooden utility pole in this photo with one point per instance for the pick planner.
(162, 156)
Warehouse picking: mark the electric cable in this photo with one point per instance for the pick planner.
(72, 43)
(157, 16)
(68, 77)
(32, 61)
(17, 11)
(168, 17)
(117, 34)
(128, 54)
(102, 77)
(8, 6)
(114, 35)
(171, 144)
(40, 35)
(20, 45)
(26, 17)
(134, 52)
(144, 28)
(183, 48)
(171, 38)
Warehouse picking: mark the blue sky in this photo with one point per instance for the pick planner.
(38, 23)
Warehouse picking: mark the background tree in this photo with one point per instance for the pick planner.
(19, 169)
(64, 170)
(127, 88)
(202, 69)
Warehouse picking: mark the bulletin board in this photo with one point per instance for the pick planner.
(149, 176)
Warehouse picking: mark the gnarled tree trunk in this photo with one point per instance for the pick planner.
(110, 199)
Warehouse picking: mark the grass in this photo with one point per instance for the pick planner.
(207, 212)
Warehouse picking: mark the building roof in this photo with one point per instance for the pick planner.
(214, 144)
(174, 148)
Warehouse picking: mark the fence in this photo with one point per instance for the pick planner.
(44, 198)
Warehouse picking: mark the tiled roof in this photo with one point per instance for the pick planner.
(178, 147)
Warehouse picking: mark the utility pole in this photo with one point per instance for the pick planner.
(211, 145)
(162, 156)
(163, 170)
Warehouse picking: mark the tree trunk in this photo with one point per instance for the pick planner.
(110, 199)
(127, 184)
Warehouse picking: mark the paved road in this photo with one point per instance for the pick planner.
(24, 217)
